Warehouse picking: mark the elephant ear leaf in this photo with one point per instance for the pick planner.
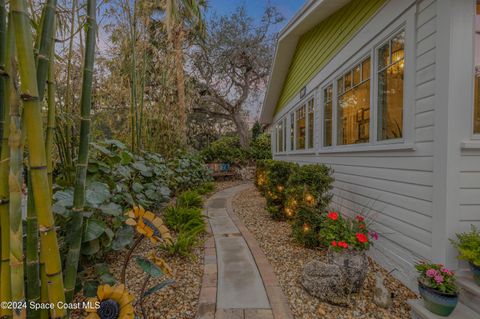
(149, 267)
(123, 237)
(93, 229)
(158, 287)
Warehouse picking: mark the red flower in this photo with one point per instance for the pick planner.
(362, 238)
(333, 215)
(362, 226)
(360, 218)
(334, 243)
(343, 244)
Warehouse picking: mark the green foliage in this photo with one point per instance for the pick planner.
(256, 130)
(468, 245)
(118, 179)
(277, 175)
(306, 226)
(185, 241)
(438, 277)
(205, 188)
(260, 147)
(227, 149)
(183, 218)
(190, 199)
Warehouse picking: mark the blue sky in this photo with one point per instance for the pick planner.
(256, 8)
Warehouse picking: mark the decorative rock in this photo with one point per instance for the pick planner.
(381, 295)
(326, 282)
(354, 266)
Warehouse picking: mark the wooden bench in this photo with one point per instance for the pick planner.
(221, 170)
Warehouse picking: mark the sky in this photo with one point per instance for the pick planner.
(256, 8)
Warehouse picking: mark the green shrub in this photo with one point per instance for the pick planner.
(205, 188)
(190, 199)
(277, 175)
(185, 241)
(468, 245)
(183, 218)
(307, 197)
(260, 148)
(227, 149)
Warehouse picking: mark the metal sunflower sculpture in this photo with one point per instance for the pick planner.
(115, 303)
(149, 225)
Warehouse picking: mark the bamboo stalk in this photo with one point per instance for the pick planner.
(45, 45)
(32, 265)
(51, 122)
(15, 182)
(37, 158)
(133, 74)
(3, 56)
(5, 285)
(71, 264)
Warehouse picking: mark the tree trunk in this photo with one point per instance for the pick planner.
(242, 129)
(180, 75)
(37, 158)
(71, 264)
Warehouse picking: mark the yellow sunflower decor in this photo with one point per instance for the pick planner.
(161, 263)
(114, 303)
(146, 223)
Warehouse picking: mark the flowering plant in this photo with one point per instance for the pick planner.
(437, 277)
(339, 232)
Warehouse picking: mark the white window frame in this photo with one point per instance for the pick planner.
(406, 142)
(304, 102)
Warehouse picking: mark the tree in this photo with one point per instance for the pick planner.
(232, 65)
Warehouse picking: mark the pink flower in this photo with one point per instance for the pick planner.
(438, 279)
(431, 273)
(446, 271)
(374, 235)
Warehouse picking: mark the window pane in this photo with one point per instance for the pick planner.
(356, 75)
(476, 113)
(280, 134)
(348, 81)
(311, 126)
(327, 117)
(354, 115)
(384, 56)
(285, 134)
(301, 127)
(340, 85)
(292, 131)
(366, 69)
(398, 44)
(390, 93)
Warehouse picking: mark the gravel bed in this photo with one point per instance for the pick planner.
(177, 301)
(287, 258)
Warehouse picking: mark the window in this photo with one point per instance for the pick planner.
(311, 126)
(292, 131)
(300, 128)
(476, 108)
(391, 63)
(280, 137)
(353, 94)
(327, 115)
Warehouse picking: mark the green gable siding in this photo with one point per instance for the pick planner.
(319, 45)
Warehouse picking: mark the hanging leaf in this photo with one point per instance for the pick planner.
(149, 267)
(158, 287)
(93, 229)
(90, 288)
(123, 238)
(111, 209)
(91, 247)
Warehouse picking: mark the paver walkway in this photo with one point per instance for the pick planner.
(238, 281)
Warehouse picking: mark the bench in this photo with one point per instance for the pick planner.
(221, 170)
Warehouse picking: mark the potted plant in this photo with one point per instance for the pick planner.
(347, 240)
(437, 287)
(468, 245)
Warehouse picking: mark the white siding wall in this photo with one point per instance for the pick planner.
(396, 187)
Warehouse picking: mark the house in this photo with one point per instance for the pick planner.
(385, 92)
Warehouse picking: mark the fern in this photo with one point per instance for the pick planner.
(468, 245)
(190, 199)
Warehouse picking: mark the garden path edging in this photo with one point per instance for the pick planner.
(238, 281)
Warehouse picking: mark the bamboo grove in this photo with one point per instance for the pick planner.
(31, 268)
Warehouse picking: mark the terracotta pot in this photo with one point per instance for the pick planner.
(437, 302)
(476, 272)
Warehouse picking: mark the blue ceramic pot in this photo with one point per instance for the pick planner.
(476, 272)
(437, 302)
